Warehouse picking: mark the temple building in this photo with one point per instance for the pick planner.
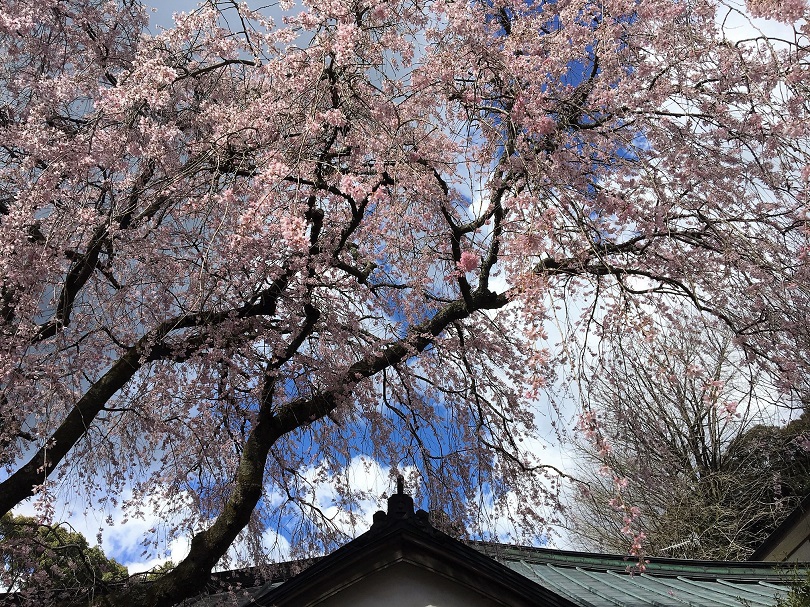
(402, 561)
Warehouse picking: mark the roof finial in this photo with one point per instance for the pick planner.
(400, 508)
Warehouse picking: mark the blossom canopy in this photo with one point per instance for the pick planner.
(262, 241)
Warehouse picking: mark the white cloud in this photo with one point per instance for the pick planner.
(368, 481)
(739, 25)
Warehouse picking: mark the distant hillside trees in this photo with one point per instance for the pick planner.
(34, 556)
(682, 448)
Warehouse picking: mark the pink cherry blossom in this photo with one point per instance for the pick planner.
(468, 262)
(545, 125)
(786, 11)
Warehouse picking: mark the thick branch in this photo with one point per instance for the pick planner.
(24, 482)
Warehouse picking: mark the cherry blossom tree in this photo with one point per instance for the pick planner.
(243, 249)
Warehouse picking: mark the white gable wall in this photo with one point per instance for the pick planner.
(405, 585)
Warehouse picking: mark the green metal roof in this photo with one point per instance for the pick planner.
(598, 580)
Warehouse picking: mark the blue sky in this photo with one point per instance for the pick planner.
(162, 15)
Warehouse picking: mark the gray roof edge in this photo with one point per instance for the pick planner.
(751, 570)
